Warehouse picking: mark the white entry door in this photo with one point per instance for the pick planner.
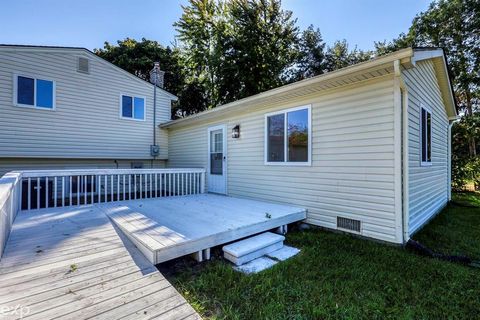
(217, 159)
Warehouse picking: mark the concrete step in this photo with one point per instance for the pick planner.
(246, 250)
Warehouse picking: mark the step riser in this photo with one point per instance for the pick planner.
(253, 255)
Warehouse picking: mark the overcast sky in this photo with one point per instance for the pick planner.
(89, 23)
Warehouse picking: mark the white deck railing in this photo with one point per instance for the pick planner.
(9, 204)
(60, 188)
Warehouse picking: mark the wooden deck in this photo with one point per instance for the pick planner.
(72, 263)
(167, 228)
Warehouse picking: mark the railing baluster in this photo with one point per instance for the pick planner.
(155, 188)
(63, 191)
(78, 190)
(92, 184)
(46, 192)
(99, 191)
(135, 186)
(106, 188)
(38, 193)
(111, 188)
(29, 192)
(70, 191)
(161, 184)
(151, 185)
(55, 190)
(85, 187)
(118, 187)
(123, 198)
(129, 187)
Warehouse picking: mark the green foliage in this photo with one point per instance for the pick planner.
(235, 49)
(454, 26)
(311, 55)
(338, 56)
(337, 276)
(465, 166)
(138, 57)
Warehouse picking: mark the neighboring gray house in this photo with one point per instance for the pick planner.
(365, 149)
(68, 108)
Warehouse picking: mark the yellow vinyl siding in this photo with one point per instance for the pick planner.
(352, 171)
(427, 184)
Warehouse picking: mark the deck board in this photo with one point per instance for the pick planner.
(110, 279)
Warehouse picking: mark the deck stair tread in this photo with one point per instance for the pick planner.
(245, 250)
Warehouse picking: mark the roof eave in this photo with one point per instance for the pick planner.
(85, 50)
(404, 54)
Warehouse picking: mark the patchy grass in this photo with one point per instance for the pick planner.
(338, 276)
(456, 230)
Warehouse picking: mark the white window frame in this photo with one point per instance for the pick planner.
(422, 147)
(286, 162)
(34, 106)
(133, 107)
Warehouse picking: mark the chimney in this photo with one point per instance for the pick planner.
(157, 75)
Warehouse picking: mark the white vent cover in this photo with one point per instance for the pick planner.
(348, 224)
(83, 65)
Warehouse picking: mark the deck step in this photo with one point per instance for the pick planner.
(246, 250)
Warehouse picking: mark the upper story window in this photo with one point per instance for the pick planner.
(426, 136)
(132, 107)
(34, 92)
(288, 137)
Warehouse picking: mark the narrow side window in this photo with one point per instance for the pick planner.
(426, 136)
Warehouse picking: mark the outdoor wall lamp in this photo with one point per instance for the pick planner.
(236, 132)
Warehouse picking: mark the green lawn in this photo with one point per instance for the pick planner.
(338, 276)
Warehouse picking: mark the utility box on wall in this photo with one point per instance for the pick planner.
(154, 150)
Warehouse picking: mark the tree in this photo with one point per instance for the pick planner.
(311, 55)
(138, 58)
(465, 167)
(237, 48)
(338, 56)
(263, 44)
(453, 25)
(199, 31)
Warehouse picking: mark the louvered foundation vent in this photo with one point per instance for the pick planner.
(348, 224)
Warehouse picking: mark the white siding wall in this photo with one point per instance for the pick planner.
(352, 172)
(86, 122)
(428, 192)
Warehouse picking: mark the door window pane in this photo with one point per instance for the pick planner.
(25, 90)
(276, 138)
(44, 93)
(297, 122)
(216, 163)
